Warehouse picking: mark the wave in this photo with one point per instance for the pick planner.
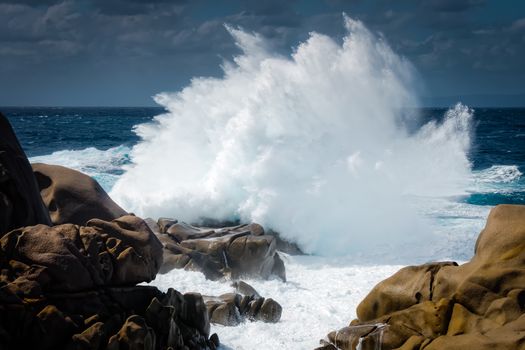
(315, 145)
(105, 166)
(498, 174)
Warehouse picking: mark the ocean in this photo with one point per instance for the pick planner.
(318, 145)
(322, 290)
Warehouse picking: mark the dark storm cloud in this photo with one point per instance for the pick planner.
(93, 51)
(30, 2)
(133, 7)
(452, 5)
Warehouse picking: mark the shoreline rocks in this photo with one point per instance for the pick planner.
(72, 197)
(228, 252)
(20, 201)
(477, 305)
(231, 309)
(73, 285)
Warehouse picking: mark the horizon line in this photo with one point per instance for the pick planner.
(162, 107)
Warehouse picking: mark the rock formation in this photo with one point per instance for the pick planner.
(20, 202)
(73, 287)
(230, 309)
(72, 197)
(477, 305)
(234, 252)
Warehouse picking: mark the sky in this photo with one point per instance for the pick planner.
(122, 52)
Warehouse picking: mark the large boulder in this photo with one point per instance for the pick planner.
(233, 252)
(20, 202)
(72, 197)
(230, 309)
(138, 317)
(73, 287)
(477, 305)
(74, 258)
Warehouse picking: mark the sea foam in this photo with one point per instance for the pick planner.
(105, 166)
(317, 146)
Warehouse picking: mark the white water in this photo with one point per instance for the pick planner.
(314, 145)
(320, 296)
(104, 166)
(499, 174)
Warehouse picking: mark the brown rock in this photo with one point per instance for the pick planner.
(91, 338)
(73, 197)
(134, 335)
(122, 252)
(20, 202)
(226, 314)
(234, 252)
(245, 289)
(71, 287)
(54, 327)
(407, 287)
(194, 313)
(230, 309)
(270, 311)
(478, 305)
(135, 250)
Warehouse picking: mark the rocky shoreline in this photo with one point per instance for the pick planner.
(477, 305)
(71, 261)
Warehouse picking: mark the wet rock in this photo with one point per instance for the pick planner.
(215, 340)
(104, 317)
(165, 223)
(134, 335)
(72, 258)
(73, 287)
(270, 311)
(135, 251)
(325, 345)
(20, 201)
(230, 309)
(245, 289)
(233, 252)
(284, 245)
(54, 327)
(194, 313)
(477, 305)
(226, 314)
(153, 226)
(73, 197)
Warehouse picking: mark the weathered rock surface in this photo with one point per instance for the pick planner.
(72, 197)
(233, 252)
(20, 202)
(230, 309)
(73, 287)
(477, 305)
(71, 258)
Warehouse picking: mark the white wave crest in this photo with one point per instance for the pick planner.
(312, 145)
(103, 165)
(498, 174)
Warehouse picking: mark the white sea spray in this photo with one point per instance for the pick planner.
(315, 146)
